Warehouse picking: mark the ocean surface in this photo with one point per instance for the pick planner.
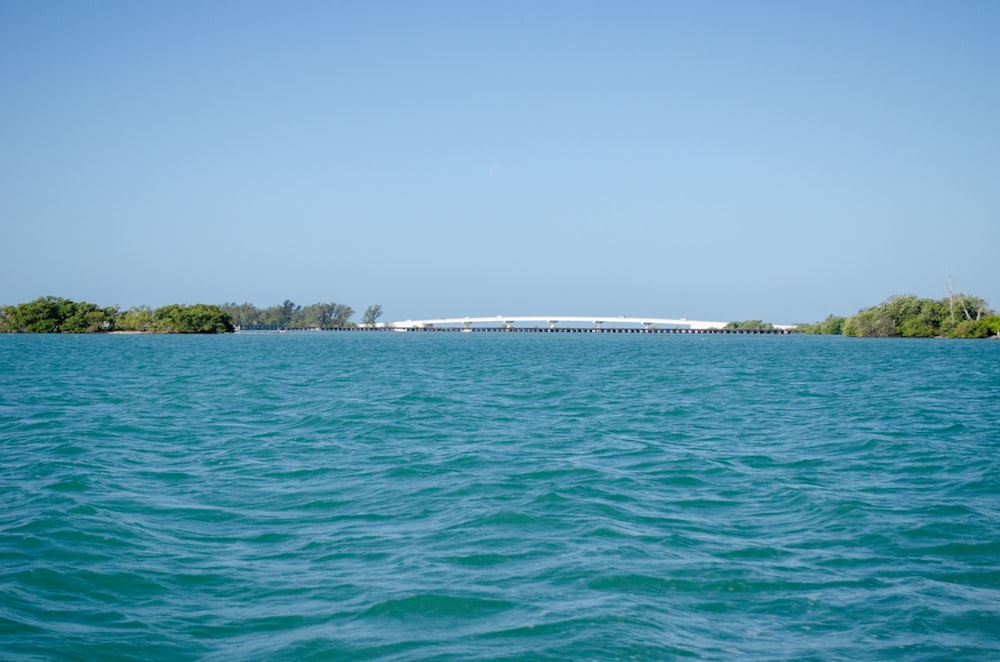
(449, 496)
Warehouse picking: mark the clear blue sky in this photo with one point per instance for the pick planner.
(714, 160)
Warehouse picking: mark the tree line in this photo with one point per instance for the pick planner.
(909, 316)
(291, 315)
(749, 325)
(59, 315)
(905, 316)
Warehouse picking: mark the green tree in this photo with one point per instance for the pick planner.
(43, 315)
(870, 323)
(909, 316)
(288, 311)
(971, 329)
(277, 315)
(984, 327)
(967, 307)
(137, 318)
(912, 316)
(341, 315)
(198, 318)
(90, 318)
(749, 325)
(244, 314)
(372, 313)
(832, 325)
(318, 315)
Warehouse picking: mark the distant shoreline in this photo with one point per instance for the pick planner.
(903, 316)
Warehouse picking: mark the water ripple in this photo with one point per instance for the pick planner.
(479, 496)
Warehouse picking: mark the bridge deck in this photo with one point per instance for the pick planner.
(583, 329)
(554, 320)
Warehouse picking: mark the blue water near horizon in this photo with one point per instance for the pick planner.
(498, 496)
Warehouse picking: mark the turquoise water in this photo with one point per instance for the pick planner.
(498, 496)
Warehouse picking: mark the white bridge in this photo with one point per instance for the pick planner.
(507, 322)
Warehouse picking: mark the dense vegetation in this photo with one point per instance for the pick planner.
(749, 325)
(291, 315)
(908, 316)
(58, 315)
